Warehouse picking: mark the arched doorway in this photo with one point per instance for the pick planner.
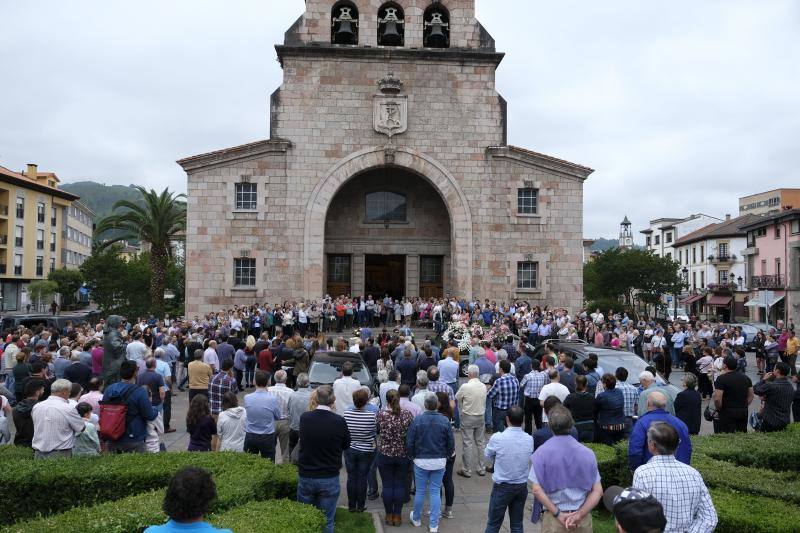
(387, 231)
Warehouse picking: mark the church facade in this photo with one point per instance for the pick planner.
(387, 171)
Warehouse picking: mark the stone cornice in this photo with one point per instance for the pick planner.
(540, 160)
(453, 55)
(233, 154)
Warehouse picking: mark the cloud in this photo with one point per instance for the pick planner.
(681, 107)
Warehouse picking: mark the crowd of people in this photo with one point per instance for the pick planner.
(64, 398)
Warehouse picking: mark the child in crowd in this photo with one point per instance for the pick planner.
(87, 443)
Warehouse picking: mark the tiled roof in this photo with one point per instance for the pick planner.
(22, 180)
(728, 228)
(548, 157)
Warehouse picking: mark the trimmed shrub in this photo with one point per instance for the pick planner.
(772, 451)
(278, 516)
(721, 474)
(606, 463)
(92, 480)
(747, 513)
(236, 484)
(15, 453)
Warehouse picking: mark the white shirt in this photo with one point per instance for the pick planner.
(408, 309)
(136, 351)
(282, 392)
(386, 387)
(55, 424)
(552, 389)
(448, 370)
(230, 429)
(343, 389)
(210, 358)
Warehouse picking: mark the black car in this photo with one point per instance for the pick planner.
(607, 358)
(326, 367)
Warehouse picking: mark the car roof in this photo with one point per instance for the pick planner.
(329, 357)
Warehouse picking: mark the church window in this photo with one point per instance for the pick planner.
(344, 23)
(527, 272)
(339, 269)
(244, 272)
(246, 196)
(386, 206)
(436, 31)
(527, 201)
(430, 269)
(391, 22)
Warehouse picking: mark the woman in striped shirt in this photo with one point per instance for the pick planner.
(361, 423)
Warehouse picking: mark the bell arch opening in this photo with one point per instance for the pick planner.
(387, 232)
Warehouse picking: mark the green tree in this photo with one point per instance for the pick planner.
(41, 290)
(106, 278)
(68, 282)
(158, 222)
(627, 276)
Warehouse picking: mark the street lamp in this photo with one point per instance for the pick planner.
(739, 282)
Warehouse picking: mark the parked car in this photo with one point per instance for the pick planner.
(608, 358)
(326, 367)
(30, 321)
(750, 330)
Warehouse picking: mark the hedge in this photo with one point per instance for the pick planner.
(87, 481)
(772, 451)
(279, 516)
(607, 463)
(748, 513)
(722, 474)
(236, 484)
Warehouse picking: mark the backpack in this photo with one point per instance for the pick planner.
(113, 417)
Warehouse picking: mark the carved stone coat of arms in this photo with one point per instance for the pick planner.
(391, 114)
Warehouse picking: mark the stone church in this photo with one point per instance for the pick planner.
(387, 171)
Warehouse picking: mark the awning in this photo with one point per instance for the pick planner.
(719, 301)
(755, 303)
(693, 298)
(776, 300)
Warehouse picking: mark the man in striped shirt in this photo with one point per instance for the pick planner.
(55, 423)
(359, 457)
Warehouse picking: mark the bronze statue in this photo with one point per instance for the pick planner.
(113, 350)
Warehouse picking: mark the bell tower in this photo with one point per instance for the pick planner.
(625, 234)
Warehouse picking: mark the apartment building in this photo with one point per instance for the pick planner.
(769, 202)
(32, 223)
(660, 237)
(77, 235)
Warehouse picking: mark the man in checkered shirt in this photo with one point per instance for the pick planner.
(504, 393)
(679, 487)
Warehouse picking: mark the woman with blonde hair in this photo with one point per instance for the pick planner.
(250, 361)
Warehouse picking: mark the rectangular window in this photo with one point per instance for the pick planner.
(694, 280)
(694, 254)
(668, 255)
(722, 276)
(246, 196)
(53, 216)
(777, 231)
(723, 250)
(430, 269)
(40, 212)
(668, 238)
(702, 279)
(702, 253)
(338, 269)
(647, 241)
(52, 264)
(796, 226)
(527, 274)
(17, 264)
(40, 266)
(658, 239)
(244, 272)
(18, 231)
(52, 241)
(20, 207)
(680, 256)
(40, 239)
(527, 201)
(778, 271)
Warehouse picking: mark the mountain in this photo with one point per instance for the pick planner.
(101, 198)
(601, 244)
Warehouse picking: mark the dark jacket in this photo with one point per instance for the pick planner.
(23, 422)
(140, 411)
(688, 407)
(430, 437)
(324, 436)
(79, 373)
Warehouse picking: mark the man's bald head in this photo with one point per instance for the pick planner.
(656, 400)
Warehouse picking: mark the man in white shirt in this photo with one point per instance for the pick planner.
(422, 389)
(392, 384)
(282, 426)
(137, 350)
(554, 388)
(55, 423)
(343, 389)
(210, 356)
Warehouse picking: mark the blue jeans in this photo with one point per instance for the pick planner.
(357, 464)
(499, 419)
(430, 482)
(372, 479)
(394, 472)
(509, 496)
(322, 493)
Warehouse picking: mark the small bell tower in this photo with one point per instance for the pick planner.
(625, 234)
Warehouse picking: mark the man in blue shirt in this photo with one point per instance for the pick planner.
(503, 394)
(511, 451)
(262, 410)
(190, 493)
(140, 410)
(638, 452)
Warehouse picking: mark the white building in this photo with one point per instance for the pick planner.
(713, 264)
(660, 237)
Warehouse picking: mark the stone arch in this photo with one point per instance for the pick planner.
(435, 173)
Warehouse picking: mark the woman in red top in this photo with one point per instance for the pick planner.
(265, 360)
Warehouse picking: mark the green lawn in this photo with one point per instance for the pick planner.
(347, 522)
(603, 522)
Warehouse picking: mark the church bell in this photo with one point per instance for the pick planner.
(436, 36)
(345, 28)
(391, 34)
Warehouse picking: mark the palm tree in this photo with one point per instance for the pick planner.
(158, 222)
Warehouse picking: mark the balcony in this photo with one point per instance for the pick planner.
(721, 259)
(721, 287)
(3, 268)
(767, 282)
(3, 211)
(3, 240)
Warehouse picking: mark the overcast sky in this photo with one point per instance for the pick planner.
(681, 106)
